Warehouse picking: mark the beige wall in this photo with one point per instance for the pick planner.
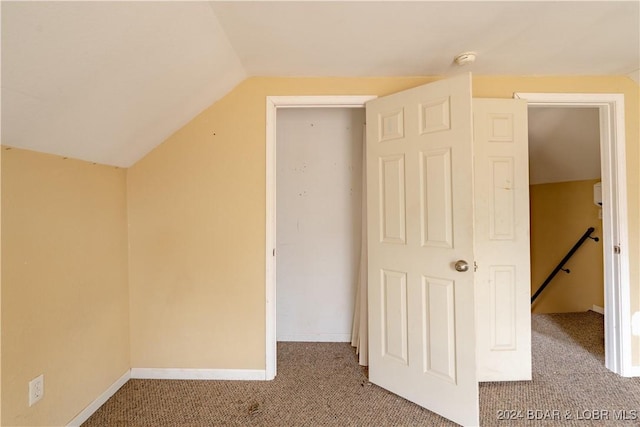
(196, 208)
(64, 284)
(197, 218)
(560, 214)
(197, 232)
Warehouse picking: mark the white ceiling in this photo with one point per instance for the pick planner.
(109, 81)
(422, 38)
(564, 144)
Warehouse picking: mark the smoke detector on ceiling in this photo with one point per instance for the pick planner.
(465, 58)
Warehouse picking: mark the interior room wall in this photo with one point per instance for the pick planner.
(560, 214)
(65, 310)
(197, 218)
(319, 198)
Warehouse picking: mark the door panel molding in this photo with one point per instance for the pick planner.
(437, 146)
(502, 279)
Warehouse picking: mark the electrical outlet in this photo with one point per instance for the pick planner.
(36, 389)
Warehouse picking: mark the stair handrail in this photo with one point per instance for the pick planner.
(585, 236)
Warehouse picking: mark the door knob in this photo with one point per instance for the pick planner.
(462, 265)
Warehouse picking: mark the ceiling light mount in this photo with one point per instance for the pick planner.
(465, 58)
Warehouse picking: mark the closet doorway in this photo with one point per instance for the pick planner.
(319, 162)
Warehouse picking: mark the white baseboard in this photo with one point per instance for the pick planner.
(597, 309)
(198, 374)
(633, 371)
(315, 337)
(166, 374)
(100, 400)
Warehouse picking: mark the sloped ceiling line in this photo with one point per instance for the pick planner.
(109, 81)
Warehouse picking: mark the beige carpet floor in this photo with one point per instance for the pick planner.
(321, 384)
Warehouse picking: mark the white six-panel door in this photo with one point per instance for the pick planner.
(503, 290)
(420, 223)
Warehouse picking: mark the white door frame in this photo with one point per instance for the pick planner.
(618, 357)
(273, 104)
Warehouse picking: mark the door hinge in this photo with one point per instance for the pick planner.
(274, 251)
(475, 266)
(616, 249)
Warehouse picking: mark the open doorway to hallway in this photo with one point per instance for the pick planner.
(564, 165)
(565, 202)
(615, 239)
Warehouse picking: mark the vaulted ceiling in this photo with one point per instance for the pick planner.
(108, 81)
(564, 144)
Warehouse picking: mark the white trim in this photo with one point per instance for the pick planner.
(569, 99)
(597, 309)
(270, 243)
(273, 103)
(617, 318)
(634, 371)
(316, 337)
(320, 101)
(99, 401)
(197, 374)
